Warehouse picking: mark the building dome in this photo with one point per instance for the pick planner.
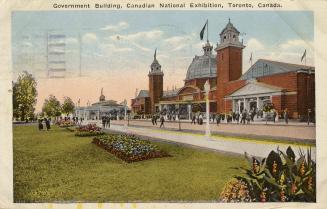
(199, 68)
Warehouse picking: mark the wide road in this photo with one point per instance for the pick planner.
(222, 144)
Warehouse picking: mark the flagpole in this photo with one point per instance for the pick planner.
(305, 60)
(207, 30)
(251, 59)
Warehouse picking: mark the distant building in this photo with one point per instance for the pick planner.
(99, 109)
(284, 85)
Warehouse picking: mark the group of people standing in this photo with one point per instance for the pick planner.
(78, 120)
(47, 122)
(155, 118)
(106, 121)
(197, 119)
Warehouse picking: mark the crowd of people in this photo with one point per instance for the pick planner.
(244, 117)
(47, 122)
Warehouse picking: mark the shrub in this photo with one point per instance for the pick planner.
(280, 177)
(88, 130)
(128, 147)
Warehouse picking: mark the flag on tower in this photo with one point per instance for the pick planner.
(304, 55)
(202, 31)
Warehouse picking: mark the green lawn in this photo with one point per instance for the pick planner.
(57, 166)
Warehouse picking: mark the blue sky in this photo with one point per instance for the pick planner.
(123, 42)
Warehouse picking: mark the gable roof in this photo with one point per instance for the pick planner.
(263, 67)
(254, 87)
(170, 93)
(143, 93)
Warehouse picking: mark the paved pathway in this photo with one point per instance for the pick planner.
(296, 132)
(224, 144)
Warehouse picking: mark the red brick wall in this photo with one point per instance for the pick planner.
(229, 104)
(306, 93)
(290, 102)
(235, 57)
(286, 81)
(277, 101)
(229, 68)
(232, 86)
(155, 90)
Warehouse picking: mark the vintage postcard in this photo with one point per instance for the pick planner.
(142, 104)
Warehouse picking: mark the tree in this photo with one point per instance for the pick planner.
(24, 96)
(68, 106)
(51, 107)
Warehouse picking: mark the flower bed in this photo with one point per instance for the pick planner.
(65, 123)
(88, 130)
(278, 178)
(128, 147)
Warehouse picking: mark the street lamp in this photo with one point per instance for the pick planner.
(179, 120)
(207, 89)
(125, 111)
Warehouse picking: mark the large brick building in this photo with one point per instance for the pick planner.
(284, 85)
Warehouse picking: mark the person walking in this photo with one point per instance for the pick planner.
(40, 125)
(108, 121)
(248, 117)
(152, 120)
(237, 117)
(103, 121)
(274, 115)
(193, 119)
(243, 117)
(286, 115)
(162, 120)
(218, 118)
(47, 124)
(200, 119)
(155, 119)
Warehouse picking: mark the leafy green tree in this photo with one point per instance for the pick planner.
(24, 96)
(51, 107)
(68, 106)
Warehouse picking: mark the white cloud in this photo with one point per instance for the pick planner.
(115, 28)
(114, 48)
(71, 40)
(27, 44)
(89, 38)
(139, 39)
(254, 45)
(176, 43)
(289, 51)
(296, 45)
(143, 35)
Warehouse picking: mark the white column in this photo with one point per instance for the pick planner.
(189, 110)
(244, 105)
(208, 115)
